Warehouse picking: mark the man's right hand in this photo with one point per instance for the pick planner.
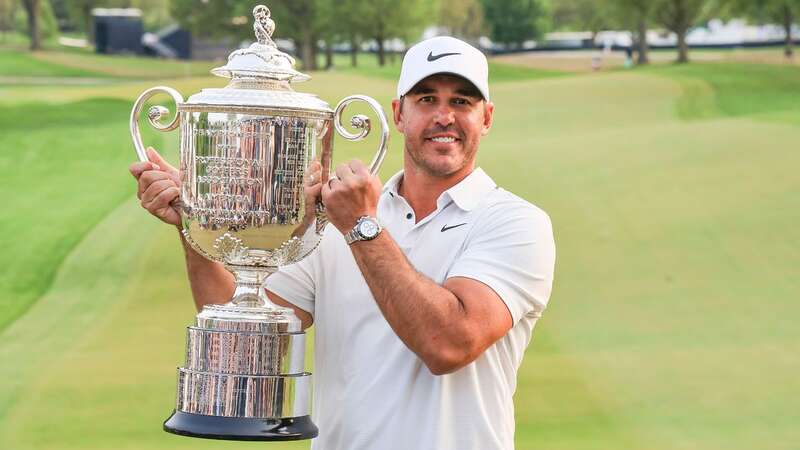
(159, 185)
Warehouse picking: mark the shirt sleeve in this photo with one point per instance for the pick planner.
(513, 252)
(295, 283)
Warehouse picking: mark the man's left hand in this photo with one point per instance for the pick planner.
(352, 194)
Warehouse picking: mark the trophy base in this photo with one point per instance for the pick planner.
(240, 428)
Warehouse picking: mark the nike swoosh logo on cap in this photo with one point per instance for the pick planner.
(432, 57)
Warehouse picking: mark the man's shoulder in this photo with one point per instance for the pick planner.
(501, 204)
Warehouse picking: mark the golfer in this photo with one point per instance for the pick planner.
(424, 290)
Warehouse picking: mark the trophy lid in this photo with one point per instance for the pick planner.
(260, 76)
(262, 59)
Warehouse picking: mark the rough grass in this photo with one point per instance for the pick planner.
(670, 327)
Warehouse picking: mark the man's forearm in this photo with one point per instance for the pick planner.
(422, 313)
(210, 281)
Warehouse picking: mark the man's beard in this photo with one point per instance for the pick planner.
(436, 170)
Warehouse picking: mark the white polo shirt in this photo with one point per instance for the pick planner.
(371, 392)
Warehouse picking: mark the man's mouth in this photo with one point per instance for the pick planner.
(443, 139)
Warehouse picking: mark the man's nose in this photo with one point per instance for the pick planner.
(445, 116)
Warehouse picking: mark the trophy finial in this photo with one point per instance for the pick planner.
(262, 59)
(263, 25)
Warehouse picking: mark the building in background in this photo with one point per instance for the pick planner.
(117, 30)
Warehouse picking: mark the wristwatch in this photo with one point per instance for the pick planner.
(367, 228)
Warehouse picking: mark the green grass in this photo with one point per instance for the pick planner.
(74, 64)
(734, 89)
(130, 66)
(12, 40)
(24, 64)
(62, 172)
(673, 193)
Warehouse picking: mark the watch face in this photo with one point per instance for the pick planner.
(368, 229)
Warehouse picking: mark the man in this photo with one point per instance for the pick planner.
(420, 325)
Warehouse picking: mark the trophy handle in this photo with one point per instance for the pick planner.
(154, 116)
(362, 123)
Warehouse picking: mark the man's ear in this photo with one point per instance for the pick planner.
(396, 114)
(488, 117)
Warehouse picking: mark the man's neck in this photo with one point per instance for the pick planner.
(421, 190)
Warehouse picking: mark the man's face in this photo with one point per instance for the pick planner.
(443, 119)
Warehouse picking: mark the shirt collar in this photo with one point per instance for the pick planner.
(469, 192)
(392, 183)
(466, 194)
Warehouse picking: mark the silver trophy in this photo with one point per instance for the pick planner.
(244, 150)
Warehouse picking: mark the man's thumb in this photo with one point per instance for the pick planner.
(156, 158)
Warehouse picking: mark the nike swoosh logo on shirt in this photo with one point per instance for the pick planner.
(445, 228)
(431, 56)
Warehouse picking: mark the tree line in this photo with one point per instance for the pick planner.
(676, 16)
(319, 25)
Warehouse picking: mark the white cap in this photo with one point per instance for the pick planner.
(444, 54)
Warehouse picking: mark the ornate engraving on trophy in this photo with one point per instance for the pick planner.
(248, 172)
(230, 247)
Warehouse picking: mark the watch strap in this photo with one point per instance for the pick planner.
(354, 235)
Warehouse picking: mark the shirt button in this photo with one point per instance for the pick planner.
(409, 215)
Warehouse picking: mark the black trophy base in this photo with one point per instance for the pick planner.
(239, 428)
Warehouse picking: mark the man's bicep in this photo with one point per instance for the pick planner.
(305, 317)
(486, 314)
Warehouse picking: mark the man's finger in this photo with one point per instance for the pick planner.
(149, 177)
(313, 177)
(138, 168)
(332, 180)
(326, 188)
(313, 192)
(314, 166)
(163, 199)
(343, 171)
(156, 158)
(358, 167)
(156, 188)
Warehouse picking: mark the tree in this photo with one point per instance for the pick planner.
(232, 18)
(7, 10)
(763, 11)
(351, 26)
(583, 15)
(678, 16)
(636, 15)
(294, 19)
(462, 18)
(300, 21)
(513, 22)
(80, 12)
(383, 20)
(33, 10)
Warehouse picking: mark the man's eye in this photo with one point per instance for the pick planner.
(426, 99)
(461, 101)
